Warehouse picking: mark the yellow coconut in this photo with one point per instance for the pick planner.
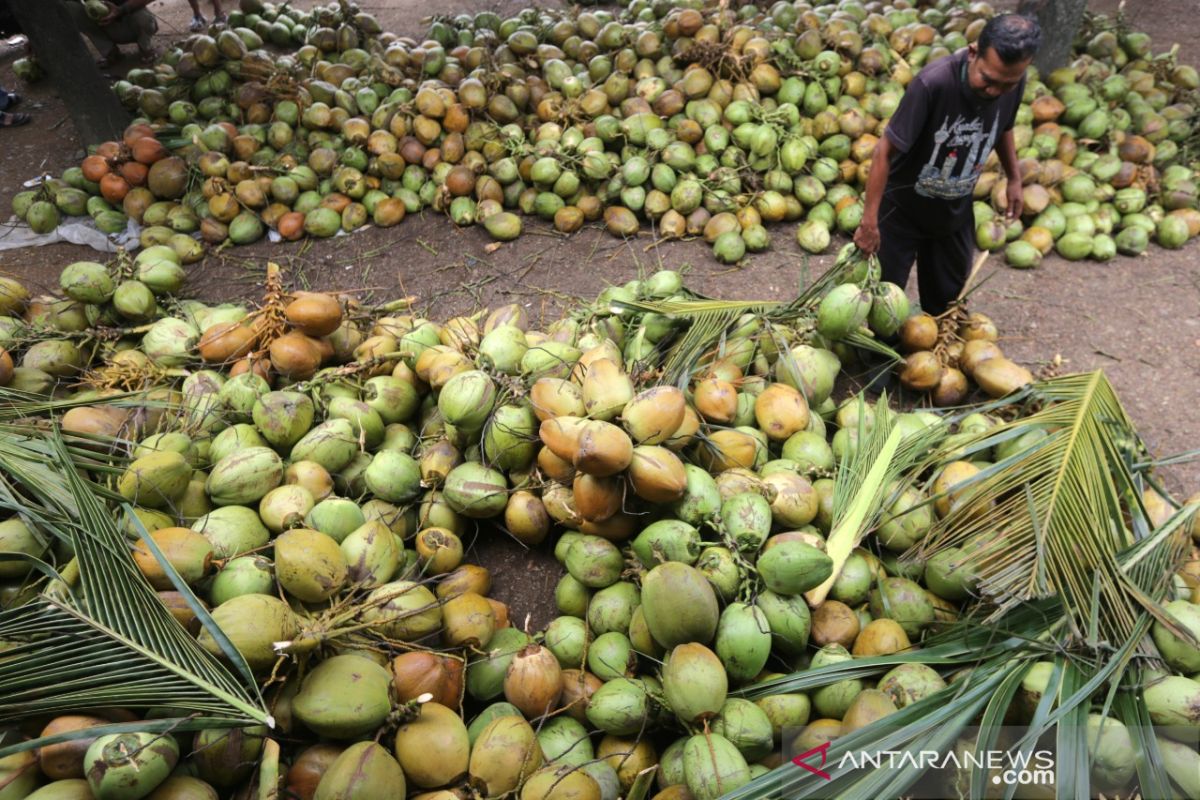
(617, 528)
(597, 498)
(727, 449)
(562, 435)
(919, 332)
(554, 397)
(553, 467)
(781, 411)
(603, 449)
(716, 400)
(686, 432)
(921, 372)
(654, 415)
(978, 326)
(952, 388)
(947, 498)
(834, 622)
(1001, 376)
(656, 474)
(880, 637)
(525, 517)
(606, 389)
(975, 352)
(607, 349)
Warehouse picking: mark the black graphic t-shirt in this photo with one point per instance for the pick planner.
(944, 134)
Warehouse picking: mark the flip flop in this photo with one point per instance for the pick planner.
(197, 24)
(14, 100)
(14, 120)
(220, 19)
(148, 57)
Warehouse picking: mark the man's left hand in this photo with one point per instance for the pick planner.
(1016, 201)
(114, 13)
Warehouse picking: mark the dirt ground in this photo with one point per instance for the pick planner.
(1137, 318)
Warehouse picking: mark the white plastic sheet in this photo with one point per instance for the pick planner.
(76, 230)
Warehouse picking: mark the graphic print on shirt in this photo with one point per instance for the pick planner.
(942, 183)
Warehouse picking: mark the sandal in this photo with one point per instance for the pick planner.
(14, 120)
(220, 20)
(149, 56)
(109, 59)
(197, 24)
(14, 100)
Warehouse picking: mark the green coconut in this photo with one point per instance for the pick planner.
(843, 310)
(467, 399)
(253, 623)
(1110, 749)
(694, 683)
(620, 707)
(244, 476)
(283, 417)
(908, 683)
(128, 766)
(87, 282)
(362, 771)
(713, 766)
(904, 601)
(232, 530)
(679, 605)
(476, 491)
(344, 697)
(242, 575)
(155, 480)
(833, 700)
(743, 641)
(1180, 655)
(746, 726)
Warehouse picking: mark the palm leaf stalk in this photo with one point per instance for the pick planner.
(109, 640)
(865, 480)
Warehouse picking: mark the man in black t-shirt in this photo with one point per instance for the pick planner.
(923, 172)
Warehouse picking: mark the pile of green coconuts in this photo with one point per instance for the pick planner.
(317, 471)
(681, 117)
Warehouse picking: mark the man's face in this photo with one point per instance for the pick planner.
(988, 75)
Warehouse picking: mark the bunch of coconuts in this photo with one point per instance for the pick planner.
(678, 117)
(322, 497)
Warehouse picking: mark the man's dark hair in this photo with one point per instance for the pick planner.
(1013, 37)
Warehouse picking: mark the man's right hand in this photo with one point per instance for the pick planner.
(112, 16)
(867, 236)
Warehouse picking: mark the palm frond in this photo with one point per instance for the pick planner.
(865, 481)
(1083, 423)
(1057, 506)
(111, 642)
(708, 321)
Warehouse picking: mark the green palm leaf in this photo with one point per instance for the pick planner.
(111, 642)
(708, 322)
(865, 481)
(1059, 506)
(1047, 500)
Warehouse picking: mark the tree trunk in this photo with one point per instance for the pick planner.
(94, 108)
(1060, 21)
